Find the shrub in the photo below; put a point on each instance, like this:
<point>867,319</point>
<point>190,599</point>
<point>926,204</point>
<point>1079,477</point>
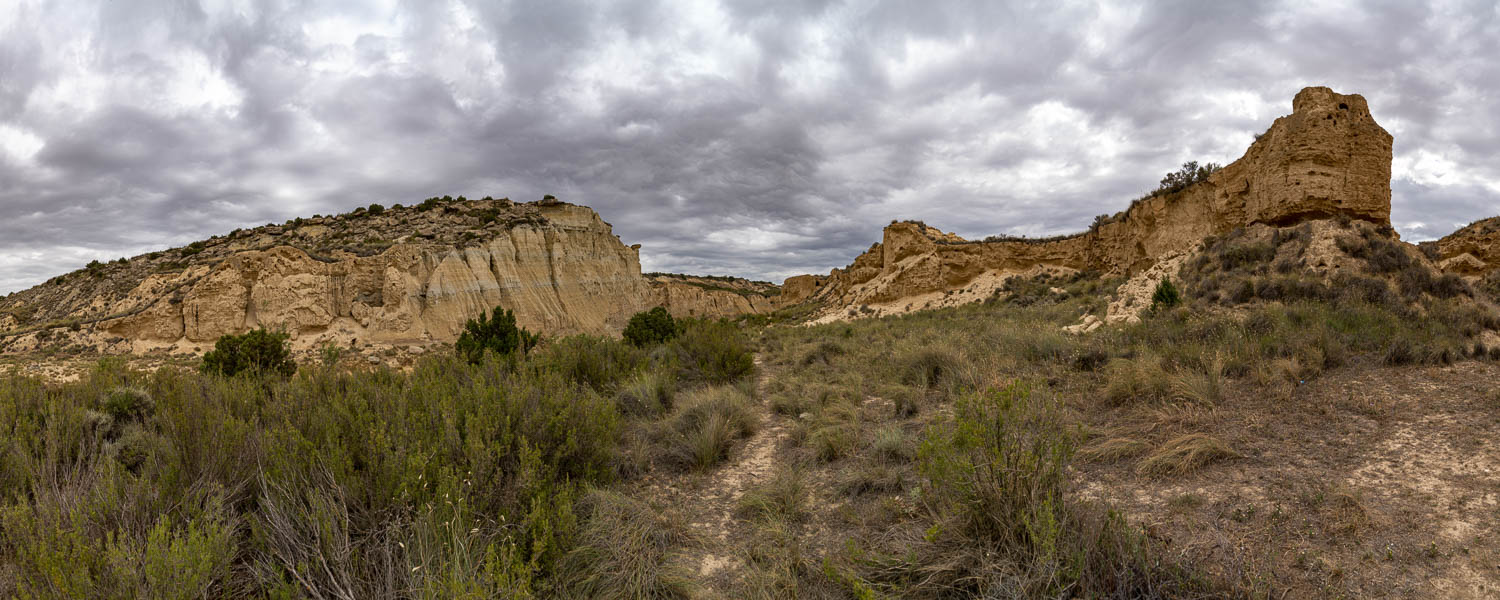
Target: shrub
<point>257,351</point>
<point>375,210</point>
<point>1189,174</point>
<point>648,328</point>
<point>128,404</point>
<point>497,334</point>
<point>600,363</point>
<point>714,352</point>
<point>1166,295</point>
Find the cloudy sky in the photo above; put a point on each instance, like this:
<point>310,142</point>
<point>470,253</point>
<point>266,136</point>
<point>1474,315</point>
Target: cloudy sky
<point>761,138</point>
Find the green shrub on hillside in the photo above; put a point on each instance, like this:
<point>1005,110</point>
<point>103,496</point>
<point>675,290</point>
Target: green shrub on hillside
<point>375,210</point>
<point>648,328</point>
<point>497,333</point>
<point>598,362</point>
<point>713,352</point>
<point>1166,295</point>
<point>257,351</point>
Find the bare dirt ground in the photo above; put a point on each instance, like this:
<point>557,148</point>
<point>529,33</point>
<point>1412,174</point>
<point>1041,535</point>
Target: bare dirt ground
<point>1368,482</point>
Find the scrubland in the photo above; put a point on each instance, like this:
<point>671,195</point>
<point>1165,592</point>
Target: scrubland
<point>1275,435</point>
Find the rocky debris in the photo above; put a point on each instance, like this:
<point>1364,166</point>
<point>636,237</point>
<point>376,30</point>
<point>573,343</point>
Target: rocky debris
<point>1328,158</point>
<point>1088,324</point>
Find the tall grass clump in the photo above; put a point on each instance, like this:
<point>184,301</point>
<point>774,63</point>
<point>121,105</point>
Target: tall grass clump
<point>994,486</point>
<point>628,550</point>
<point>700,432</point>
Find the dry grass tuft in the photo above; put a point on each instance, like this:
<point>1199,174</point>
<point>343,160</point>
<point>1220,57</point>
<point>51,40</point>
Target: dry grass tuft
<point>1185,454</point>
<point>1134,380</point>
<point>1113,449</point>
<point>628,549</point>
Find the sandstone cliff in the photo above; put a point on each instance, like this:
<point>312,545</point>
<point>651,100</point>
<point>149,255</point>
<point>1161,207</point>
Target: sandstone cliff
<point>1328,158</point>
<point>713,297</point>
<point>399,276</point>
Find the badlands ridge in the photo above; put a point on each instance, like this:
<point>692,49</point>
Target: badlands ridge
<point>559,266</point>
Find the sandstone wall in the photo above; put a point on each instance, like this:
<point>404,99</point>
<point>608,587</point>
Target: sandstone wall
<point>1329,157</point>
<point>567,275</point>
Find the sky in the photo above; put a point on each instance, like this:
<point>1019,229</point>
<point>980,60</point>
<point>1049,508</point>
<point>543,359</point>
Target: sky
<point>759,138</point>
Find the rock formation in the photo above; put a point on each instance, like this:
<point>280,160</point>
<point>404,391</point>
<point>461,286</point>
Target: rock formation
<point>340,279</point>
<point>1471,251</point>
<point>1328,158</point>
<point>713,297</point>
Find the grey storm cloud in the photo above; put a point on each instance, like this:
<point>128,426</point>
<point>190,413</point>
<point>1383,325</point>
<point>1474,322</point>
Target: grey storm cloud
<point>756,138</point>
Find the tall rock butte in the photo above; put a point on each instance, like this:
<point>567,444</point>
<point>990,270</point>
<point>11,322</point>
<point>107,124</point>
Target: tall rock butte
<point>338,279</point>
<point>1328,158</point>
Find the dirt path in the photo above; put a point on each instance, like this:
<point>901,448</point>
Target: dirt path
<point>711,504</point>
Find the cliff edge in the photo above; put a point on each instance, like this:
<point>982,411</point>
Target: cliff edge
<point>1328,158</point>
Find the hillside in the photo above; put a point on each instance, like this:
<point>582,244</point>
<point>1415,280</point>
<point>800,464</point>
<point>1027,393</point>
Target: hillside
<point>388,276</point>
<point>1327,159</point>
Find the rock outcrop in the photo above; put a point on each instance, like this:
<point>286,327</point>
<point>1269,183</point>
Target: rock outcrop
<point>713,297</point>
<point>1328,158</point>
<point>558,266</point>
<point>1472,251</point>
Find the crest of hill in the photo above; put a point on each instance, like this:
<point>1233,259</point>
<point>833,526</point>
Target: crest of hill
<point>394,275</point>
<point>1327,159</point>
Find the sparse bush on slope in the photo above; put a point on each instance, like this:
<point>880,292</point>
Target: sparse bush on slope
<point>257,351</point>
<point>648,328</point>
<point>496,333</point>
<point>714,352</point>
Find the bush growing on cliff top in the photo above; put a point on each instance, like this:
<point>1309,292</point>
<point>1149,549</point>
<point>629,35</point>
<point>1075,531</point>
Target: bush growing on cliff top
<point>258,351</point>
<point>651,327</point>
<point>498,333</point>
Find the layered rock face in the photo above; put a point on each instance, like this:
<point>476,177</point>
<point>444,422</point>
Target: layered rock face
<point>1328,158</point>
<point>566,275</point>
<point>1473,250</point>
<point>713,297</point>
<point>558,266</point>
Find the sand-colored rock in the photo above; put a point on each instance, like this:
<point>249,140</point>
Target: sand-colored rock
<point>569,275</point>
<point>1328,158</point>
<point>1473,250</point>
<point>558,266</point>
<point>703,297</point>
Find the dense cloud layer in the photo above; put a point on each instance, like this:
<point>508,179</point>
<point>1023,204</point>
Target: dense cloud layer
<point>750,137</point>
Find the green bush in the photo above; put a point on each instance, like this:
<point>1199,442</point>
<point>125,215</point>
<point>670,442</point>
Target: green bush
<point>600,363</point>
<point>651,327</point>
<point>375,210</point>
<point>497,333</point>
<point>713,352</point>
<point>257,351</point>
<point>1166,295</point>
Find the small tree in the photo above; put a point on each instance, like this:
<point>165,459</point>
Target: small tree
<point>498,333</point>
<point>258,351</point>
<point>650,327</point>
<point>375,209</point>
<point>1166,295</point>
